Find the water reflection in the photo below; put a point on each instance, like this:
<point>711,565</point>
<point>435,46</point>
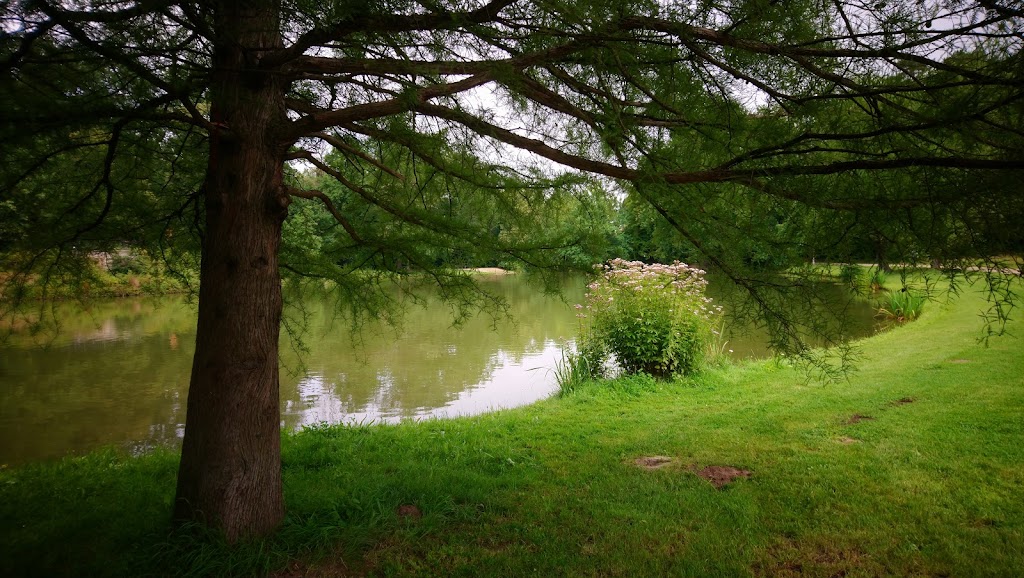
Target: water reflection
<point>429,368</point>
<point>117,371</point>
<point>506,381</point>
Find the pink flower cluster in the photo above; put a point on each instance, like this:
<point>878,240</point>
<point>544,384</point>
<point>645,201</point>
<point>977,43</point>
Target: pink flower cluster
<point>683,284</point>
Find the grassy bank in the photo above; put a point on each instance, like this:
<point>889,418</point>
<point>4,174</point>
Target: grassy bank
<point>913,467</point>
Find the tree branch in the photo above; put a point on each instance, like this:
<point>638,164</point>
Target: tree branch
<point>370,23</point>
<point>484,128</point>
<point>344,146</point>
<point>323,198</point>
<point>319,119</point>
<point>68,21</point>
<point>684,31</point>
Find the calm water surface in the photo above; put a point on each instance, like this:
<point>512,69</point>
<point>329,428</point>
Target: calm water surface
<point>116,373</point>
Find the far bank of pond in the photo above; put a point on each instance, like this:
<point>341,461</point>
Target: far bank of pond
<point>116,372</point>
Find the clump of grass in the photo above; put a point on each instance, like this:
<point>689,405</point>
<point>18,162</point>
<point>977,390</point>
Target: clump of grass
<point>588,362</point>
<point>903,305</point>
<point>572,371</point>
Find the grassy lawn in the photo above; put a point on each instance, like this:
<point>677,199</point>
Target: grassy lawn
<point>927,481</point>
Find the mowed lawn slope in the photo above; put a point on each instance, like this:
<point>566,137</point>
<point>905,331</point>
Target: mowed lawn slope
<point>913,467</point>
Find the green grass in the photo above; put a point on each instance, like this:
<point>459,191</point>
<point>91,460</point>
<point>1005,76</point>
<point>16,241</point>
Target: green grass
<point>932,485</point>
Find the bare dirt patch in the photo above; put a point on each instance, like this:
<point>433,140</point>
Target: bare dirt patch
<point>848,440</point>
<point>653,462</point>
<point>793,559</point>
<point>409,512</point>
<point>857,418</point>
<point>904,401</point>
<point>720,476</point>
<point>329,566</point>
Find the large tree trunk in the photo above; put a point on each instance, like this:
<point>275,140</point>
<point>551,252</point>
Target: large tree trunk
<point>230,473</point>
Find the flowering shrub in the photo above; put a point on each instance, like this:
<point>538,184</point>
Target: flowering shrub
<point>653,319</point>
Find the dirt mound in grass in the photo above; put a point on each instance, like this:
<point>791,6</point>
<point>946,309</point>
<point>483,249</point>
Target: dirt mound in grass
<point>409,512</point>
<point>857,418</point>
<point>719,476</point>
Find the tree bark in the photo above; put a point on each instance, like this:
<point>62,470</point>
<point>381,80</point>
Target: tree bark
<point>230,472</point>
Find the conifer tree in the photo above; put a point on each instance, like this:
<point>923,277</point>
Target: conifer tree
<point>163,121</point>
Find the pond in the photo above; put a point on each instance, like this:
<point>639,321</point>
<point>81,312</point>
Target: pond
<point>116,372</point>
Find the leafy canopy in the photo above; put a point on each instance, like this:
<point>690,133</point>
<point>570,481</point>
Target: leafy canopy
<point>436,135</point>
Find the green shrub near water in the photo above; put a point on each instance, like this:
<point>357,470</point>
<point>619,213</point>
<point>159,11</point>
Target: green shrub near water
<point>849,275</point>
<point>652,319</point>
<point>902,305</point>
<point>876,279</point>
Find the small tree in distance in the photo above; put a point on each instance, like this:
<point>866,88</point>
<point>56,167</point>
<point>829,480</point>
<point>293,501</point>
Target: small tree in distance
<point>714,113</point>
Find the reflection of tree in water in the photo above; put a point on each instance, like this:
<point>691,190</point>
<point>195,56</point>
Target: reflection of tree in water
<point>109,376</point>
<point>843,316</point>
<point>116,372</point>
<point>427,363</point>
<point>58,324</point>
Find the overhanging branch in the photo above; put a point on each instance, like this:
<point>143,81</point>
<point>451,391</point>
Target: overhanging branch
<point>377,23</point>
<point>323,198</point>
<point>318,119</point>
<point>347,148</point>
<point>486,129</point>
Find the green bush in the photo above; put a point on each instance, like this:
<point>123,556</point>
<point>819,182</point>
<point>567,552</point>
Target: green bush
<point>124,262</point>
<point>652,319</point>
<point>902,305</point>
